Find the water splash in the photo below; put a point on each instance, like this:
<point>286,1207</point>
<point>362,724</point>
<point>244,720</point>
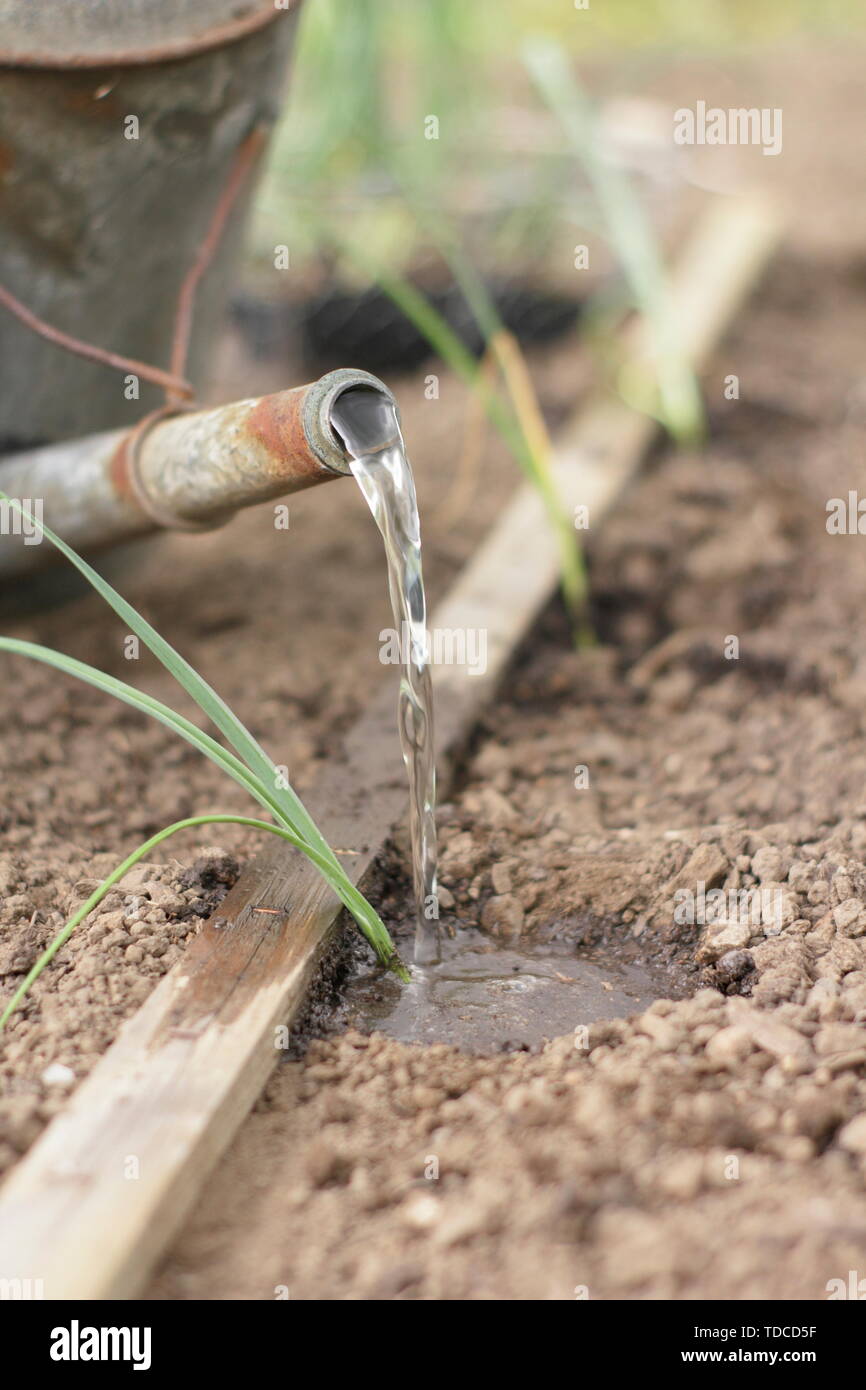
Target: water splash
<point>366,421</point>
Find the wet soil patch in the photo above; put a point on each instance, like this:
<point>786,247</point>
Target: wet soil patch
<point>483,998</point>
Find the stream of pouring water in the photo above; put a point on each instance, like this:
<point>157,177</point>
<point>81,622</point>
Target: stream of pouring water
<point>367,422</point>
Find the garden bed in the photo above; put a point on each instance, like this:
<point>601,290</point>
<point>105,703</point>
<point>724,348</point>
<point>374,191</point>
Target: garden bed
<point>709,1147</point>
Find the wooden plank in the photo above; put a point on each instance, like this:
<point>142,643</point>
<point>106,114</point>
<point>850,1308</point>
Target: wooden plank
<point>599,450</point>
<point>94,1204</point>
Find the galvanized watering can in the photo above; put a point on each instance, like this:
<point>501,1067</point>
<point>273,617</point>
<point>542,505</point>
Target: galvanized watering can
<point>119,124</point>
<point>129,136</point>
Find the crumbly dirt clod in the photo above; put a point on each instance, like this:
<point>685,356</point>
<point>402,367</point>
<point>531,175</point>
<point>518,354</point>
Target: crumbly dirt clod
<point>700,1146</point>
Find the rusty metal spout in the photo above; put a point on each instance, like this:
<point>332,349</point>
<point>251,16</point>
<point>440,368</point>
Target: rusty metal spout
<point>191,470</point>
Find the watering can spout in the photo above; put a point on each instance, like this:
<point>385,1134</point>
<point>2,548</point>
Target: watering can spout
<point>184,470</point>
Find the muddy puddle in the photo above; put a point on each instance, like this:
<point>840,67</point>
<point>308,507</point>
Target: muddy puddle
<point>484,997</point>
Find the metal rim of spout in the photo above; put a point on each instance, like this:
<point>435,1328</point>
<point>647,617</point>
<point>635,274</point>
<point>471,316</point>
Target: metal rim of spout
<point>318,406</point>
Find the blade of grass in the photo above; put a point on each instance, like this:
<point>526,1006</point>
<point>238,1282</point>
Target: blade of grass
<point>522,395</point>
<point>447,345</point>
<point>459,496</point>
<point>365,915</point>
<point>627,230</point>
<point>256,771</point>
<point>522,391</point>
<point>209,702</point>
<point>191,823</point>
<point>147,704</point>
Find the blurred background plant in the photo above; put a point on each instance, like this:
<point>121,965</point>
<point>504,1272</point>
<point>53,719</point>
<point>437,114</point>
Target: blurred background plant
<point>431,193</point>
<point>369,72</point>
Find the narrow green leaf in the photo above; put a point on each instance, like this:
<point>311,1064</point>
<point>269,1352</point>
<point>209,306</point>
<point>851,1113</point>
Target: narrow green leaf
<point>147,704</point>
<point>365,915</point>
<point>628,231</point>
<point>207,699</point>
<point>257,773</point>
<point>447,345</point>
<point>192,822</point>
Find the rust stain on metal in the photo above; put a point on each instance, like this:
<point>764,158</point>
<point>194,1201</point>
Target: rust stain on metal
<point>122,467</point>
<point>277,422</point>
<point>118,469</point>
<point>7,159</point>
<point>173,50</point>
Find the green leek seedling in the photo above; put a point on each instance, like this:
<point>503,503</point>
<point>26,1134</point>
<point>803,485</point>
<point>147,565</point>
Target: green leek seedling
<point>248,765</point>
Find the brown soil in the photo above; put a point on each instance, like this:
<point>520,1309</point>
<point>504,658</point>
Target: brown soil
<point>710,1147</point>
<point>713,1146</point>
